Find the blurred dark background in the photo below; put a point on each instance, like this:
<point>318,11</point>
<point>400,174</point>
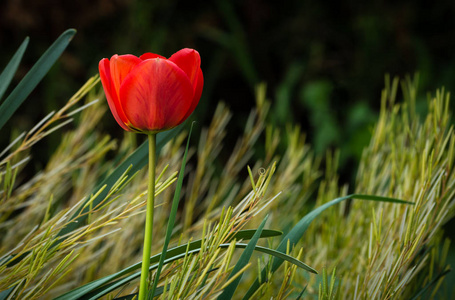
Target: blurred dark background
<point>324,63</point>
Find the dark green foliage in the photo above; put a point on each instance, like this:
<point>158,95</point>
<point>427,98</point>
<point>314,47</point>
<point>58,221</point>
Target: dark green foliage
<point>338,53</point>
<point>33,77</point>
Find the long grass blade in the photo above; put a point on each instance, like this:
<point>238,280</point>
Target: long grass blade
<point>90,287</point>
<point>249,233</point>
<point>138,159</point>
<point>94,294</point>
<point>242,262</point>
<point>301,293</point>
<point>11,68</point>
<point>278,255</point>
<point>34,76</point>
<point>299,229</point>
<point>422,291</point>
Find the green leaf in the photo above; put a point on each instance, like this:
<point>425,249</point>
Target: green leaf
<point>29,82</point>
<point>10,69</point>
<point>171,222</point>
<point>5,293</point>
<point>90,287</point>
<point>299,229</point>
<point>301,293</point>
<point>280,255</point>
<point>241,263</point>
<point>105,289</point>
<point>422,291</point>
<point>34,76</point>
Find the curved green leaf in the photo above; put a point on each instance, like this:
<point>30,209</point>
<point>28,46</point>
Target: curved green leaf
<point>30,81</point>
<point>249,233</point>
<point>242,262</point>
<point>10,69</point>
<point>104,290</point>
<point>424,289</point>
<point>299,229</point>
<point>89,287</point>
<point>277,254</point>
<point>34,76</point>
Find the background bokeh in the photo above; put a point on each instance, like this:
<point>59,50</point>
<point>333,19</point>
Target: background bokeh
<point>324,63</point>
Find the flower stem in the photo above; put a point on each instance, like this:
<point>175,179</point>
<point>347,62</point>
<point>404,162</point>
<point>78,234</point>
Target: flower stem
<point>148,219</point>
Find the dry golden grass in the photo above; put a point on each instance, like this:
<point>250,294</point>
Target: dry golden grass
<point>380,250</point>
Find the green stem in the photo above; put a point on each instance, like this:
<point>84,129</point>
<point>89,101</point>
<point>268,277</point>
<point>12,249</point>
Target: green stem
<point>148,219</point>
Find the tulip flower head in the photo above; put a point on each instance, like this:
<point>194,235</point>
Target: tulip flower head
<point>150,93</point>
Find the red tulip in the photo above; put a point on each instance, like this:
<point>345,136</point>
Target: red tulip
<point>150,93</point>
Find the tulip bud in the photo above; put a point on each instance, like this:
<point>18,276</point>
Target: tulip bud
<point>150,93</point>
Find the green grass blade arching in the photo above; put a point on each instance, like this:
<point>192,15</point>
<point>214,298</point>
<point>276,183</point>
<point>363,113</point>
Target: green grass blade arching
<point>11,68</point>
<point>105,289</point>
<point>427,287</point>
<point>34,76</point>
<point>173,214</point>
<point>31,80</point>
<point>299,229</point>
<point>277,254</point>
<point>90,287</point>
<point>242,262</point>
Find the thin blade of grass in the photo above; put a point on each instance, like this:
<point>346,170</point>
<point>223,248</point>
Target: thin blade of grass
<point>278,255</point>
<point>34,76</point>
<point>31,80</point>
<point>301,293</point>
<point>171,221</point>
<point>138,159</point>
<point>421,292</point>
<point>103,290</point>
<point>242,262</point>
<point>299,229</point>
<point>11,68</point>
<point>89,287</point>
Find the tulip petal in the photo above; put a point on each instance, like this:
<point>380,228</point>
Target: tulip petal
<point>197,93</point>
<point>156,95</point>
<point>111,94</point>
<point>121,65</point>
<point>189,61</point>
<point>150,56</point>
